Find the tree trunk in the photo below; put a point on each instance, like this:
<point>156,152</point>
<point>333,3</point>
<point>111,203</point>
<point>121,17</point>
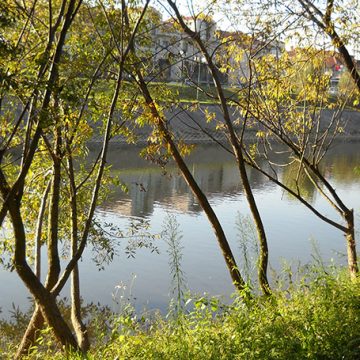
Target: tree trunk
<point>37,320</point>
<point>204,203</point>
<point>44,298</point>
<point>46,303</point>
<point>78,325</point>
<point>351,245</point>
<point>264,252</point>
<point>38,232</point>
<point>31,333</point>
<point>48,307</point>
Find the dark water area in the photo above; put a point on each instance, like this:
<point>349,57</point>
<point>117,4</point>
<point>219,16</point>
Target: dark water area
<point>293,231</point>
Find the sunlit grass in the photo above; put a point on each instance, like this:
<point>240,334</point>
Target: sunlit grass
<point>319,318</point>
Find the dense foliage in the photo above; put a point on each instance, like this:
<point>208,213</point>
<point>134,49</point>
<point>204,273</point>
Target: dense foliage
<point>317,319</point>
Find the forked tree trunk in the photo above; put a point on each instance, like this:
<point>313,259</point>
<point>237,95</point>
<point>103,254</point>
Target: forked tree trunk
<point>48,307</point>
<point>37,320</point>
<point>46,303</point>
<point>45,300</point>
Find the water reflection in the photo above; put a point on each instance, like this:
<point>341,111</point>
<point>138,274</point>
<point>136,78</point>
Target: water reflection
<point>298,181</point>
<point>342,160</point>
<point>149,185</point>
<point>217,174</point>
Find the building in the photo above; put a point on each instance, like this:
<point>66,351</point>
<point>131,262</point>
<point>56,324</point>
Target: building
<point>175,57</point>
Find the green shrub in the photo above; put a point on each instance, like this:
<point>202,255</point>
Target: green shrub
<point>319,318</point>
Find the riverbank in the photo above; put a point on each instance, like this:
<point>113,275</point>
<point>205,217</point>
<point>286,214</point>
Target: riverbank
<point>319,318</point>
<point>192,126</point>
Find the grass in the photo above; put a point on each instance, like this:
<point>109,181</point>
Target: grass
<point>186,93</point>
<point>319,318</point>
<point>172,91</point>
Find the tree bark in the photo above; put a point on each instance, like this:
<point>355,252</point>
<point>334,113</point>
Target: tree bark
<point>351,244</point>
<point>204,203</point>
<point>78,325</point>
<point>44,298</point>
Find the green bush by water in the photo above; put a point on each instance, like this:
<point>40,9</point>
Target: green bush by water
<point>319,318</point>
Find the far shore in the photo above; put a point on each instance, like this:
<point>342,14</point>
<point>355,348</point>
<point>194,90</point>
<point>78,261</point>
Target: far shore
<point>192,127</point>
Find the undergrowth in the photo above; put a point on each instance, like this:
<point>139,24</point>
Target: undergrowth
<point>318,318</point>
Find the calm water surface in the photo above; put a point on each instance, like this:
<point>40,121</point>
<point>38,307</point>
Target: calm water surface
<point>291,229</point>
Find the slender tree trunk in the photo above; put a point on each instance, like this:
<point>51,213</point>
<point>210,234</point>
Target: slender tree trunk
<point>351,244</point>
<point>53,229</point>
<point>78,325</point>
<point>204,203</point>
<point>238,281</point>
<point>76,319</point>
<point>38,232</point>
<point>264,252</point>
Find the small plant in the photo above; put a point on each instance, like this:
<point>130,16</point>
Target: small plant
<point>172,236</point>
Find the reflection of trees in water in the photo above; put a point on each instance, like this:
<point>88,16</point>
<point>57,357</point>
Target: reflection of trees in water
<point>340,165</point>
<point>148,185</point>
<point>298,181</point>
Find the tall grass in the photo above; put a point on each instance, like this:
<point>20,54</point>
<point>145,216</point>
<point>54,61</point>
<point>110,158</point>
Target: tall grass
<point>318,318</point>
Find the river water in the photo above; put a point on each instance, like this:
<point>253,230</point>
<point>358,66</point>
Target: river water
<point>295,235</point>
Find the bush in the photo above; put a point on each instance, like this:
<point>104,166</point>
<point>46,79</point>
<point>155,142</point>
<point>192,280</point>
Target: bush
<point>319,318</point>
